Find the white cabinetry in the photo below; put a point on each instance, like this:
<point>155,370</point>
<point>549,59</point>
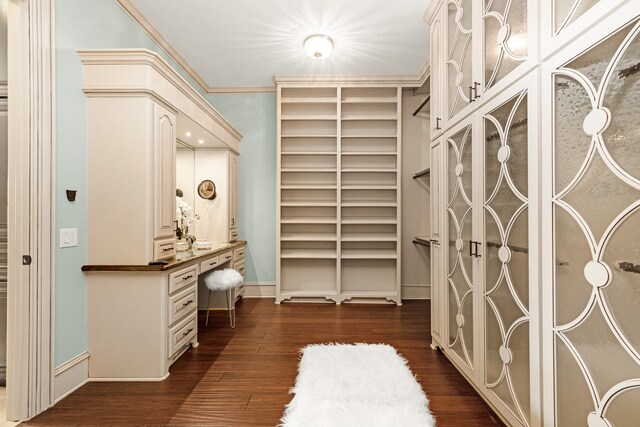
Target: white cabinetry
<point>221,213</point>
<point>477,49</point>
<point>339,192</point>
<point>131,180</point>
<point>541,191</point>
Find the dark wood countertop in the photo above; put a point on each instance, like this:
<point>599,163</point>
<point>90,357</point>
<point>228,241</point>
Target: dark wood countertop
<point>181,258</point>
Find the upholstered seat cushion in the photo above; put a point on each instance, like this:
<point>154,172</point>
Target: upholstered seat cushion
<point>221,280</point>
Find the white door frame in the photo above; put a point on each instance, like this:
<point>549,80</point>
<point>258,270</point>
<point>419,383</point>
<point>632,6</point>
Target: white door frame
<point>30,217</point>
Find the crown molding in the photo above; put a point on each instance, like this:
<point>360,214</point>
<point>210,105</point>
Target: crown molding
<point>257,89</point>
<point>424,73</point>
<point>434,5</point>
<point>126,71</point>
<point>404,81</point>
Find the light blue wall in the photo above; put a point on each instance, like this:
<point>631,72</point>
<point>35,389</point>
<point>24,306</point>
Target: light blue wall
<point>80,24</point>
<point>254,115</point>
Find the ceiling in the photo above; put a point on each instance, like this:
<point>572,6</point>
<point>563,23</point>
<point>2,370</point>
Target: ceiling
<point>244,43</point>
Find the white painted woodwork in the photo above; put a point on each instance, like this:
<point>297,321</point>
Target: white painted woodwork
<point>164,172</point>
<point>219,221</point>
<point>546,337</point>
<point>339,199</point>
<point>235,260</point>
<point>140,341</point>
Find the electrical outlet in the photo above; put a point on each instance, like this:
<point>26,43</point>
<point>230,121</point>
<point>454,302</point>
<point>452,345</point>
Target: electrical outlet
<point>68,237</point>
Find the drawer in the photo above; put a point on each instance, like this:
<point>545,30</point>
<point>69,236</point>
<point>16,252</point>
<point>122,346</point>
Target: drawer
<point>225,257</point>
<point>164,248</point>
<point>233,235</point>
<point>182,333</point>
<point>209,264</point>
<point>182,278</point>
<point>182,304</point>
<point>239,291</point>
<point>239,266</point>
<point>238,254</point>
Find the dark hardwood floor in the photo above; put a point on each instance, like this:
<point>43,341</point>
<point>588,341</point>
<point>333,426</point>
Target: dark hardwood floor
<point>242,376</point>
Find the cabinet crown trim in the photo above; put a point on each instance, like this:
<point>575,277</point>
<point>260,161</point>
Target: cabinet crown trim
<point>95,82</point>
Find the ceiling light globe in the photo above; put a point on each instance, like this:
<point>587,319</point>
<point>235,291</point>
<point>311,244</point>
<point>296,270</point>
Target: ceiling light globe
<point>318,46</point>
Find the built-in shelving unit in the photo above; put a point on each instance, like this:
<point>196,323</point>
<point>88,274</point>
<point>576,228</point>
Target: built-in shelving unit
<point>339,161</point>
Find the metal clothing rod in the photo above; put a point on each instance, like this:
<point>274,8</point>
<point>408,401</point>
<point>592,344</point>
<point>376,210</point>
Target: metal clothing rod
<point>422,105</point>
<point>422,173</point>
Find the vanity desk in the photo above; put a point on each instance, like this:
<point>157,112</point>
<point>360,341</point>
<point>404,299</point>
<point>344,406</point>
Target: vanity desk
<point>142,318</point>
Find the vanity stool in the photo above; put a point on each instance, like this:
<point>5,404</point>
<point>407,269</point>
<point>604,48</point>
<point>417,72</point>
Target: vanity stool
<point>224,280</point>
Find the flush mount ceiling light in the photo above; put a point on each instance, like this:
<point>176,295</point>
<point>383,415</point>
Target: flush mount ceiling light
<point>318,46</point>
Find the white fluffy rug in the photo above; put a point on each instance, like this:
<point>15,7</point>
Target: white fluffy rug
<point>356,385</point>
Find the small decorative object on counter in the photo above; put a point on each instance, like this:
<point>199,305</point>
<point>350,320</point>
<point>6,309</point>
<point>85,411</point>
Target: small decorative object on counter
<point>202,245</point>
<point>186,220</point>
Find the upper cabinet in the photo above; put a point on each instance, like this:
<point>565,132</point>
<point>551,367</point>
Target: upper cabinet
<point>137,106</point>
<point>477,49</point>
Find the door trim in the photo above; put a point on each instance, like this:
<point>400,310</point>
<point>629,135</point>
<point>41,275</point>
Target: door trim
<point>31,185</point>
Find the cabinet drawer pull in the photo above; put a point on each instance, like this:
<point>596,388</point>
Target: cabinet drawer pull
<point>167,249</point>
<point>438,123</point>
<point>213,263</point>
<point>187,303</point>
<point>184,334</point>
<point>187,277</point>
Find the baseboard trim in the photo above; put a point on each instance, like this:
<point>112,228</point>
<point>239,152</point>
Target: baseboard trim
<point>416,291</point>
<point>70,376</point>
<point>103,379</point>
<point>260,290</point>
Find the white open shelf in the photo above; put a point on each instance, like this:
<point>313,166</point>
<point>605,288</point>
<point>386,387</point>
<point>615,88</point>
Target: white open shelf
<point>339,197</point>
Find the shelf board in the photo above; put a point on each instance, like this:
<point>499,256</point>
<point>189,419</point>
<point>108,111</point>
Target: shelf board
<point>369,100</point>
<point>312,204</point>
<point>422,240</point>
<point>370,118</point>
<point>308,237</point>
<point>309,117</point>
<point>369,237</point>
<point>377,220</point>
<point>369,153</point>
<point>374,170</point>
<point>308,221</point>
<point>309,187</point>
<point>369,254</point>
<point>369,136</point>
<point>308,253</point>
<point>369,187</point>
<point>308,100</point>
<point>308,153</point>
<point>302,135</point>
<point>308,170</point>
<point>369,204</point>
<point>423,172</point>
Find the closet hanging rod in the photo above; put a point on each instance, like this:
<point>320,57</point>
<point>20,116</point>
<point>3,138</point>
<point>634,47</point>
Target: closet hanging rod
<point>422,240</point>
<point>422,105</point>
<point>424,172</point>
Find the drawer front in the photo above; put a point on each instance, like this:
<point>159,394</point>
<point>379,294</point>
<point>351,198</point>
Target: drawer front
<point>240,291</point>
<point>225,257</point>
<point>183,278</point>
<point>239,266</point>
<point>182,333</point>
<point>233,235</point>
<point>209,264</point>
<point>164,249</point>
<point>182,304</point>
<point>238,254</point>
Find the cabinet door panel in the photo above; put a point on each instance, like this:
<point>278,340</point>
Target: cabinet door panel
<point>436,78</point>
<point>504,37</point>
<point>596,217</point>
<point>164,151</point>
<point>506,255</point>
<point>460,284</point>
<point>233,191</point>
<point>459,56</point>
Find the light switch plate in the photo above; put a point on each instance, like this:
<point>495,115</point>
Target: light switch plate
<point>68,237</point>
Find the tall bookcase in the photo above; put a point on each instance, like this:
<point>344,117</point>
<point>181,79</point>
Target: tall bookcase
<point>339,160</point>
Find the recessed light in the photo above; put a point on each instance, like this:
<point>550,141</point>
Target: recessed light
<point>201,141</point>
<point>188,134</point>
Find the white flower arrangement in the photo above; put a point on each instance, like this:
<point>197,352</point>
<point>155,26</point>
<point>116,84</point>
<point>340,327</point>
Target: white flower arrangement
<point>186,219</point>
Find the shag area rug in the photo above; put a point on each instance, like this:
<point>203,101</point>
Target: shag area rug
<point>356,385</point>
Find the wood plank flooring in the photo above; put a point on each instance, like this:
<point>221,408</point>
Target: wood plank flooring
<point>242,376</point>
